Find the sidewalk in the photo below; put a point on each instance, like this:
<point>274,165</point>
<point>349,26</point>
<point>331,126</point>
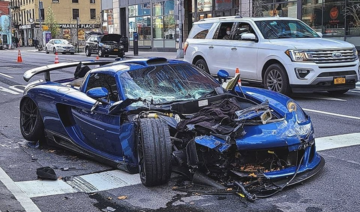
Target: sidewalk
<point>129,54</point>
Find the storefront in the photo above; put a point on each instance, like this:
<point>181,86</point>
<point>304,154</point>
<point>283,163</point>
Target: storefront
<point>155,22</point>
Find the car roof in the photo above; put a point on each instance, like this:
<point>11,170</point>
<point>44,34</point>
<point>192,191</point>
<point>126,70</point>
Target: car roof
<point>239,18</point>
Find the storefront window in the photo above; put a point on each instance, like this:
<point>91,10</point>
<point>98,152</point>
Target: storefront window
<point>158,27</point>
<point>158,9</point>
<point>273,8</point>
<point>133,10</point>
<point>325,17</point>
<point>204,5</point>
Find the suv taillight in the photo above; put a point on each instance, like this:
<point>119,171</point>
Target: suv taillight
<point>185,47</point>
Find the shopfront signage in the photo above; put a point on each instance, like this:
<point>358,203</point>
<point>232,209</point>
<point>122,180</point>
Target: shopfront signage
<point>28,26</point>
<point>82,26</point>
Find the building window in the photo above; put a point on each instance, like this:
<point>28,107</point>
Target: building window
<point>55,1</point>
<point>75,13</point>
<point>42,14</point>
<point>92,14</point>
<point>92,1</point>
<point>75,1</point>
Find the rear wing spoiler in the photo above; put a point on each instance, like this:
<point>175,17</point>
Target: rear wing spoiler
<point>46,69</point>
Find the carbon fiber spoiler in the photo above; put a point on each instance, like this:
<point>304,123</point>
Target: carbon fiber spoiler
<point>46,69</point>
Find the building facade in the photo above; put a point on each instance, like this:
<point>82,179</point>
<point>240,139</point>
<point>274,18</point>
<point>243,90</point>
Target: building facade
<point>156,20</point>
<point>73,17</point>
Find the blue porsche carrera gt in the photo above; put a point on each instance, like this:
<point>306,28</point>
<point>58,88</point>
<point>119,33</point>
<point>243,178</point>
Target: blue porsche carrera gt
<point>155,116</point>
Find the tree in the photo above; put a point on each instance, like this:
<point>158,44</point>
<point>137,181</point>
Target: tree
<point>50,21</point>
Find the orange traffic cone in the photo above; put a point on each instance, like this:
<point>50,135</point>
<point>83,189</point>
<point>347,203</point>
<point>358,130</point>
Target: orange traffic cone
<point>237,72</point>
<point>19,60</point>
<point>56,58</point>
<point>97,57</point>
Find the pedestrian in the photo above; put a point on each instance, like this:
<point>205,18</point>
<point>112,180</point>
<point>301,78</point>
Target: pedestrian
<point>20,42</point>
<point>16,41</point>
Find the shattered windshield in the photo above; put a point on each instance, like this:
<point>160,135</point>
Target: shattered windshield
<point>277,29</point>
<point>167,83</point>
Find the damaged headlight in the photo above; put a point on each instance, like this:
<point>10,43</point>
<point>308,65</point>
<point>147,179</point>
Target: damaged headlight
<point>295,108</point>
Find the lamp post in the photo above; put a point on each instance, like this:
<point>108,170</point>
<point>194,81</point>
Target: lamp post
<point>10,24</point>
<point>180,9</point>
<point>77,33</point>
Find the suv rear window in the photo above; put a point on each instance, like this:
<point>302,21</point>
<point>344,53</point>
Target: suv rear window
<point>199,31</point>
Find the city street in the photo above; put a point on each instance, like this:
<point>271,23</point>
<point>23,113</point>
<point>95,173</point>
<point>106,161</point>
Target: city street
<point>85,185</point>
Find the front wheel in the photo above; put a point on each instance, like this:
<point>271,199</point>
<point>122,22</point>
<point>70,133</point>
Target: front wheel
<point>154,152</point>
<point>54,50</point>
<point>87,52</point>
<point>101,53</point>
<point>202,65</point>
<point>31,124</point>
<point>276,79</point>
<point>46,50</point>
<point>339,92</point>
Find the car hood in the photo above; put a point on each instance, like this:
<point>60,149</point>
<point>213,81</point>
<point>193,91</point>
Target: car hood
<point>312,43</point>
<point>111,37</point>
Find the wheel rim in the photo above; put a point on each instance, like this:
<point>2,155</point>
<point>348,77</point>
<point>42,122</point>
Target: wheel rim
<point>87,51</point>
<point>141,158</point>
<point>201,66</point>
<point>274,80</point>
<point>29,115</point>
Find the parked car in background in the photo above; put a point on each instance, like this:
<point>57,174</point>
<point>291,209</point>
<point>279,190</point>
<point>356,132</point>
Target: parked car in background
<point>155,116</point>
<point>59,46</point>
<point>105,45</point>
<point>282,54</point>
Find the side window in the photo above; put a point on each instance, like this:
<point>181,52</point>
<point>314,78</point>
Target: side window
<point>106,81</point>
<point>240,29</point>
<point>224,31</point>
<point>199,31</point>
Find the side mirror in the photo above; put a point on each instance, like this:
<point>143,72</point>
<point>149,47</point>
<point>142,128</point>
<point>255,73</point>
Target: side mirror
<point>248,36</point>
<point>320,34</point>
<point>97,93</point>
<point>223,75</point>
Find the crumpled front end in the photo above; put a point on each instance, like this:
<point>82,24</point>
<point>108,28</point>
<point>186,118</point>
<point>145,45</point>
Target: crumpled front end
<point>266,153</point>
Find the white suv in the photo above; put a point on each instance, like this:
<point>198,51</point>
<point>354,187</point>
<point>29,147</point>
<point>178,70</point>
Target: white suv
<point>284,54</point>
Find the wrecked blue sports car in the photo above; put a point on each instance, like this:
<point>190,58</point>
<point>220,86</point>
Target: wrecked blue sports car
<point>155,116</point>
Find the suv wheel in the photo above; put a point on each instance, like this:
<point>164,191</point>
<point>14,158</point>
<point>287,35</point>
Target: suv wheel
<point>87,52</point>
<point>46,50</point>
<point>100,53</point>
<point>276,79</point>
<point>202,65</point>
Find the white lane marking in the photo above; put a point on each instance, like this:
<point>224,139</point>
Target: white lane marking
<point>337,141</point>
<point>21,197</point>
<point>8,90</point>
<point>6,75</point>
<point>104,181</point>
<point>16,89</point>
<point>326,98</point>
<point>38,188</point>
<point>333,114</point>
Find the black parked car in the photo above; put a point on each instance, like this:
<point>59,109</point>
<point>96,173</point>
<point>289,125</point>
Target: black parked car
<point>105,45</point>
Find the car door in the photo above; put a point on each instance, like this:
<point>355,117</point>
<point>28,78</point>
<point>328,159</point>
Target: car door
<point>98,129</point>
<point>244,53</point>
<point>219,49</point>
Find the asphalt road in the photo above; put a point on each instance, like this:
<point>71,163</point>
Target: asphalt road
<point>335,188</point>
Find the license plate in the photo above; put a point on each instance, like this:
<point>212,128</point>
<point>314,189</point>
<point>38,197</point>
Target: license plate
<point>339,80</point>
<point>115,50</point>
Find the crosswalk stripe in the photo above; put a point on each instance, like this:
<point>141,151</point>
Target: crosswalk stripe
<point>337,141</point>
<point>20,196</point>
